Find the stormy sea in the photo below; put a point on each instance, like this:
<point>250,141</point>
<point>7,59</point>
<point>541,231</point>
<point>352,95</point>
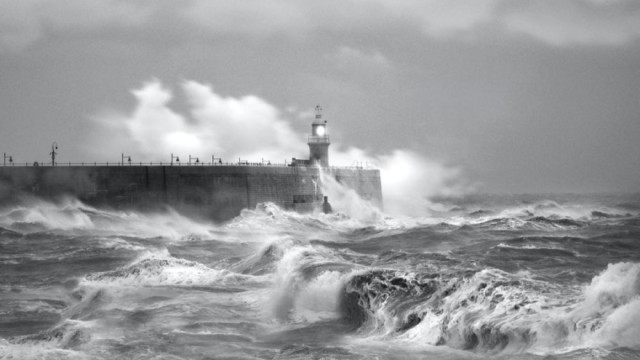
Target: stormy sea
<point>482,276</point>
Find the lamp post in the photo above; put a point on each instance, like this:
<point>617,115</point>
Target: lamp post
<point>197,160</point>
<point>5,159</point>
<point>53,153</point>
<point>128,159</point>
<point>175,157</point>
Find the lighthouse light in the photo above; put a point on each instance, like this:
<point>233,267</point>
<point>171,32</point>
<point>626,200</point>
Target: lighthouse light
<point>320,131</point>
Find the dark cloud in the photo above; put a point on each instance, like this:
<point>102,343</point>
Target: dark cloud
<point>519,96</point>
<point>23,22</point>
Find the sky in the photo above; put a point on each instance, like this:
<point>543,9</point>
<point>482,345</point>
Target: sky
<point>458,95</point>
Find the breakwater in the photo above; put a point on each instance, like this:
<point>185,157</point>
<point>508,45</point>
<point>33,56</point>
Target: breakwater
<point>214,192</point>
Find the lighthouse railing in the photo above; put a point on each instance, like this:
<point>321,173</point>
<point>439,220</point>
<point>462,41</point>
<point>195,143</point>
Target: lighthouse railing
<point>318,139</point>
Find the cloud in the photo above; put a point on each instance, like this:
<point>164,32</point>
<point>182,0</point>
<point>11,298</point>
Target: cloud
<point>250,128</point>
<point>227,127</point>
<point>254,18</point>
<point>150,131</point>
<point>294,18</point>
<point>348,58</point>
<point>22,22</point>
<point>577,22</point>
<point>559,23</point>
<point>442,18</point>
<point>246,127</point>
<point>153,125</point>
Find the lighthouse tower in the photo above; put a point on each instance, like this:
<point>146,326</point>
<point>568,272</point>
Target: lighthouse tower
<point>319,140</point>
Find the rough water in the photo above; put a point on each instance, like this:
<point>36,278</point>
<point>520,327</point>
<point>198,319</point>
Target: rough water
<point>512,277</point>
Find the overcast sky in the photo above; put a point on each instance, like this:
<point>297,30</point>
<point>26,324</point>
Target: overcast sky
<point>506,96</point>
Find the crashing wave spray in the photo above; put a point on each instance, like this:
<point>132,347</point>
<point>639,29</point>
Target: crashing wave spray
<point>347,200</point>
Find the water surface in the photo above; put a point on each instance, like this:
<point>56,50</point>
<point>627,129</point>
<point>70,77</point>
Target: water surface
<point>525,277</point>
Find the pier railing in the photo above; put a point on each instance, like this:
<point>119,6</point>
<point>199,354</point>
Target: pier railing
<point>159,163</point>
<point>356,165</point>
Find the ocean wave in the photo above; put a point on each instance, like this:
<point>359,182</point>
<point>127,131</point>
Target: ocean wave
<point>72,216</point>
<point>28,351</point>
<point>307,282</point>
<point>504,213</point>
<point>536,223</point>
<point>262,262</point>
<point>59,342</point>
<point>494,311</point>
<point>9,234</point>
<point>548,245</point>
<point>269,218</point>
<point>39,215</point>
<point>155,269</point>
<point>543,247</point>
<point>558,222</point>
<point>541,251</point>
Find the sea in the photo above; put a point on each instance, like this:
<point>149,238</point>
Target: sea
<point>548,276</point>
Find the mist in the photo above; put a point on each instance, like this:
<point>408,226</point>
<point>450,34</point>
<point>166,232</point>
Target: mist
<point>250,128</point>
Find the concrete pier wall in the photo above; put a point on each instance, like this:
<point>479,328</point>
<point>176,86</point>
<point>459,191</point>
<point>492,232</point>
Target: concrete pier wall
<point>212,192</point>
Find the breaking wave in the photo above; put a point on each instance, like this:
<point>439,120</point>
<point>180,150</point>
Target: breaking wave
<point>70,214</point>
<point>161,269</point>
<point>494,311</point>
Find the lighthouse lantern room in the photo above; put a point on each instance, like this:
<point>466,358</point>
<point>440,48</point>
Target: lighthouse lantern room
<point>319,140</point>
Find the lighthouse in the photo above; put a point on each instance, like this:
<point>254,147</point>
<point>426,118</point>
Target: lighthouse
<point>319,140</point>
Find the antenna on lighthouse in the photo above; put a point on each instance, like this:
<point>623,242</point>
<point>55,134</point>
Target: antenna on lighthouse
<point>318,112</point>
